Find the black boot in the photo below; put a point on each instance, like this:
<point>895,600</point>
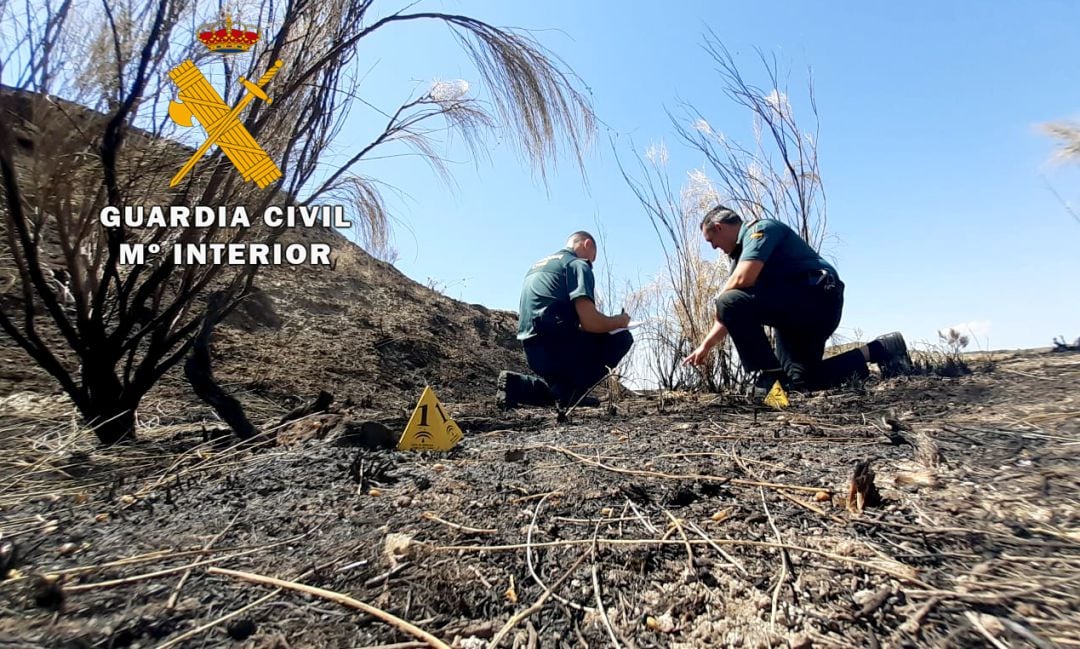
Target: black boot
<point>521,390</point>
<point>502,400</point>
<point>766,379</point>
<point>891,354</point>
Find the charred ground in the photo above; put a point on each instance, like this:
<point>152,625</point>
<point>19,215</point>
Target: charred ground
<point>684,521</point>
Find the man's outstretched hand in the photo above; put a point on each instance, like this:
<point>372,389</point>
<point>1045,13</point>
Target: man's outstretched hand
<point>697,357</point>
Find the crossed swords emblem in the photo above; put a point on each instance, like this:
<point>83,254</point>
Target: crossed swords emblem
<point>197,98</point>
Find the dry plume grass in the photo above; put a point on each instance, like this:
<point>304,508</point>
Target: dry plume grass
<point>1067,135</point>
<point>678,302</point>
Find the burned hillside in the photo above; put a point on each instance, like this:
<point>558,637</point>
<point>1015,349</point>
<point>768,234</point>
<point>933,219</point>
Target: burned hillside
<point>358,329</point>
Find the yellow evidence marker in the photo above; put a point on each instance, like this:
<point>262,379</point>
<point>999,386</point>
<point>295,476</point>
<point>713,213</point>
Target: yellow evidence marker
<point>776,398</point>
<point>429,429</point>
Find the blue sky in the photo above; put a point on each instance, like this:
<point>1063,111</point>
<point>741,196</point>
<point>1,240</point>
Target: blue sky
<point>933,164</point>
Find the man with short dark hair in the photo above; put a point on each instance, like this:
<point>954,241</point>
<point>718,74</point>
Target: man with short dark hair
<point>567,341</point>
<point>780,281</point>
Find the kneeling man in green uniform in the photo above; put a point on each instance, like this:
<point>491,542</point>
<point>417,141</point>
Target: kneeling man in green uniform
<point>780,281</point>
<point>567,341</point>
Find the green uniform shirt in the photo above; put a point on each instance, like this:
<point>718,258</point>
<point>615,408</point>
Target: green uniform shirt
<point>547,298</point>
<point>786,255</point>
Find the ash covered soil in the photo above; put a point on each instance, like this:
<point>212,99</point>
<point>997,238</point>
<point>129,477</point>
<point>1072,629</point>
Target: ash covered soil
<point>660,520</point>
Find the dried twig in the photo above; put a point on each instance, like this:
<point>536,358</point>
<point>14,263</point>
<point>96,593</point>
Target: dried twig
<point>183,637</point>
<point>727,557</point>
<point>159,573</point>
<point>523,499</point>
<point>1025,633</point>
<point>603,611</point>
<point>689,548</point>
<point>187,573</point>
<point>596,590</point>
<point>461,528</point>
<point>973,618</point>
<point>570,410</point>
<point>339,598</point>
<point>536,606</point>
<point>646,523</point>
<point>480,576</point>
<point>784,568</point>
<point>912,624</point>
<point>812,507</point>
<point>384,577</point>
<point>165,555</point>
<point>529,558</point>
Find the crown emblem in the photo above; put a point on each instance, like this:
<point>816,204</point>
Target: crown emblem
<point>227,37</point>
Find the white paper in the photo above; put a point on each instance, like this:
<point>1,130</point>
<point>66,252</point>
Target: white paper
<point>634,324</point>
